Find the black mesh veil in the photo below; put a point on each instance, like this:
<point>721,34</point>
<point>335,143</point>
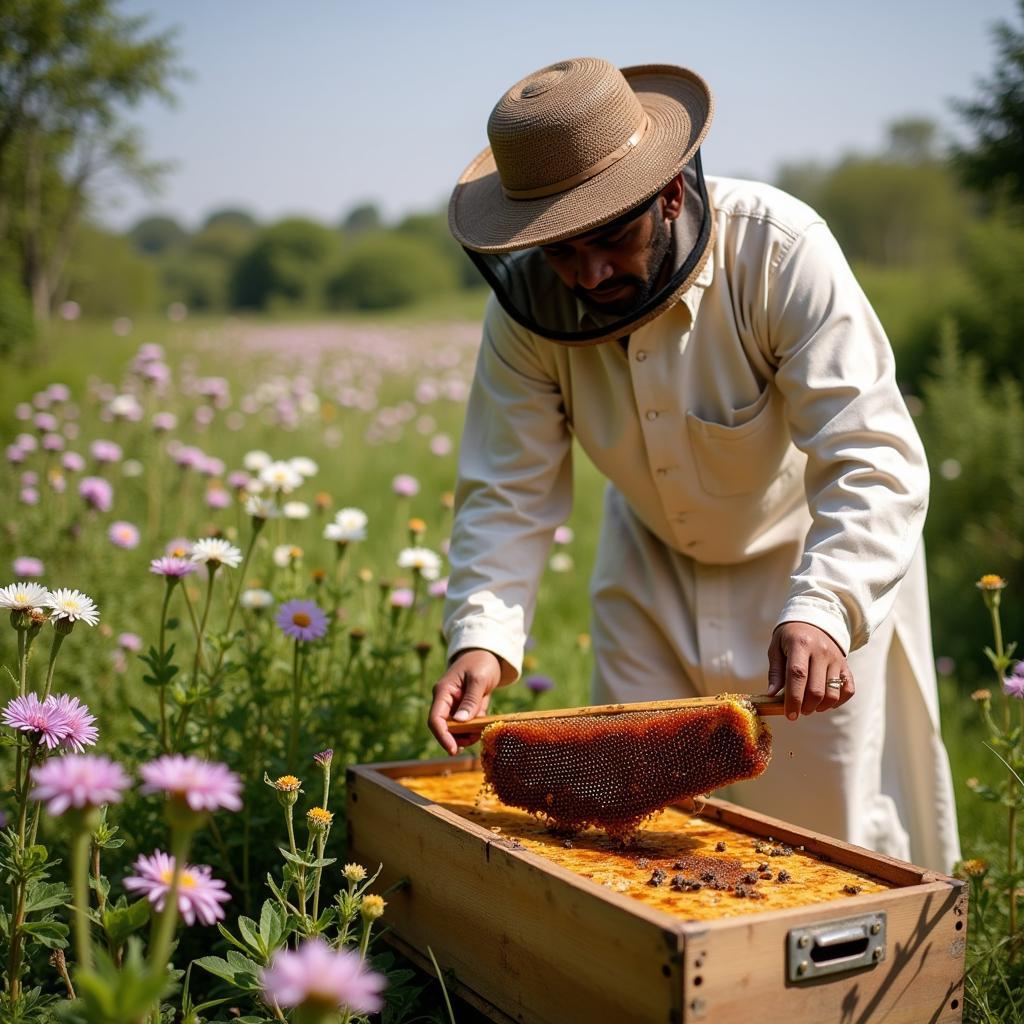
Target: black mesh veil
<point>535,297</point>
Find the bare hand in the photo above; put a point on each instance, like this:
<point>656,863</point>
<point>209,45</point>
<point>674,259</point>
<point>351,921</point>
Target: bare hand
<point>469,682</point>
<point>803,659</point>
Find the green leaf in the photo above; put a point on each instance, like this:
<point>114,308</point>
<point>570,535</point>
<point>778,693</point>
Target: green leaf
<point>52,934</point>
<point>273,925</point>
<point>44,895</point>
<point>119,922</point>
<point>247,926</point>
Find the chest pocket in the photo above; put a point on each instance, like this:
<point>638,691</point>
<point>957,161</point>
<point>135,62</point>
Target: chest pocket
<point>747,457</point>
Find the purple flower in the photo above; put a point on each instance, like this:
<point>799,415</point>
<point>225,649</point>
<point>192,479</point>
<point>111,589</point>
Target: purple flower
<point>45,422</point>
<point>238,479</point>
<point>25,567</point>
<point>401,597</point>
<point>29,496</point>
<point>203,785</point>
<point>129,642</point>
<point>324,758</point>
<point>1013,684</point>
<point>96,492</point>
<point>172,567</point>
<point>316,975</point>
<point>15,454</point>
<point>301,620</point>
<point>439,588</point>
<point>124,535</point>
<point>105,451</point>
<point>78,780</point>
<point>405,486</point>
<point>53,443</point>
<point>538,684</point>
<point>81,733</point>
<point>200,895</point>
<point>29,714</point>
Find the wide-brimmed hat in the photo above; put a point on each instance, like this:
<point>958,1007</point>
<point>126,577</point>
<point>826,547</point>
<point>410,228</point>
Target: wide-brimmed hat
<point>575,145</point>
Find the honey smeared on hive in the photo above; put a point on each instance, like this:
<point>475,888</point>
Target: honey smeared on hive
<point>615,771</point>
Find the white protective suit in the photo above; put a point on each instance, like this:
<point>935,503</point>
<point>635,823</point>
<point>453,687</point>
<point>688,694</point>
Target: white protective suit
<point>763,468</point>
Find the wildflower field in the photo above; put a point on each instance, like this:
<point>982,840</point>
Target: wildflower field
<point>225,543</point>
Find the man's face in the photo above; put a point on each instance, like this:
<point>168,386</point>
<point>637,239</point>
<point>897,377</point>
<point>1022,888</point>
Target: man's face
<point>614,269</point>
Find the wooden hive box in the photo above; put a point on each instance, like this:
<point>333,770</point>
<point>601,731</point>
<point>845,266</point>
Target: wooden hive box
<point>543,930</point>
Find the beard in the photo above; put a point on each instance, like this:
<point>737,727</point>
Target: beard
<point>642,288</point>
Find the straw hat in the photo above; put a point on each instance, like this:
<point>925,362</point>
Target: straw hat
<point>575,145</point>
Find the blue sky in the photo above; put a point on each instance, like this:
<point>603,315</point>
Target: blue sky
<point>310,106</point>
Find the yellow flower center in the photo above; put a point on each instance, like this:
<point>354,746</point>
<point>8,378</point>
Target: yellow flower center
<point>287,783</point>
<point>302,619</point>
<point>991,581</point>
<point>186,880</point>
<point>319,814</point>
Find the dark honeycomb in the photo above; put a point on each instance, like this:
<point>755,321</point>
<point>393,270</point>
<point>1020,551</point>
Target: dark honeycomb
<point>613,771</point>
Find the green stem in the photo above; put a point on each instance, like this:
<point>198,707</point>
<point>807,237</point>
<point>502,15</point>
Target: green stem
<point>80,883</point>
<point>58,639</point>
<point>22,663</point>
<point>320,843</point>
<point>293,732</point>
<point>162,649</point>
<point>163,927</point>
<point>100,900</point>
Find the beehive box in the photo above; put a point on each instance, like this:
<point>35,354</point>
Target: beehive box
<point>542,929</point>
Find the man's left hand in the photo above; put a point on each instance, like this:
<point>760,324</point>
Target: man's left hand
<point>804,660</point>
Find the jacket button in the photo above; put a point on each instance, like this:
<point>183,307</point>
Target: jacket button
<point>641,356</point>
<point>652,414</point>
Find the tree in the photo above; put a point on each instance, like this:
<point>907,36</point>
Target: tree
<point>231,217</point>
<point>361,219</point>
<point>68,71</point>
<point>285,266</point>
<point>156,234</point>
<point>995,163</point>
<point>388,270</point>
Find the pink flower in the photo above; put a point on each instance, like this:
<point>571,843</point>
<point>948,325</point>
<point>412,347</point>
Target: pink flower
<point>164,421</point>
<point>15,454</point>
<point>238,478</point>
<point>105,451</point>
<point>124,535</point>
<point>1013,684</point>
<point>81,733</point>
<point>318,975</point>
<point>218,497</point>
<point>25,567</point>
<point>129,642</point>
<point>53,443</point>
<point>78,780</point>
<point>401,597</point>
<point>199,893</point>
<point>301,620</point>
<point>96,492</point>
<point>172,567</point>
<point>203,785</point>
<point>29,714</point>
<point>72,462</point>
<point>439,588</point>
<point>29,496</point>
<point>405,486</point>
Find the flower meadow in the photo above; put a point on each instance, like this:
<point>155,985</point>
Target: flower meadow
<point>223,588</point>
<point>222,570</point>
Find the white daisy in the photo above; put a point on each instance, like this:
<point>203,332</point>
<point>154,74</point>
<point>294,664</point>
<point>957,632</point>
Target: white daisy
<point>303,466</point>
<point>256,599</point>
<point>279,476</point>
<point>422,560</point>
<point>349,524</point>
<point>214,551</point>
<point>284,554</point>
<point>23,597</point>
<point>256,460</point>
<point>295,510</point>
<point>72,605</point>
<point>561,561</point>
<point>261,508</point>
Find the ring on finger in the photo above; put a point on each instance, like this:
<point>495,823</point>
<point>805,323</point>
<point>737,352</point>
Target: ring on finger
<point>834,684</point>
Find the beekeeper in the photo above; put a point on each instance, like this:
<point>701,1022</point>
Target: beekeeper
<point>705,342</point>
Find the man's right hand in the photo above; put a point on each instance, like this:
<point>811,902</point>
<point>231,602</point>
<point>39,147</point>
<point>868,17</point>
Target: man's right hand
<point>467,686</point>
